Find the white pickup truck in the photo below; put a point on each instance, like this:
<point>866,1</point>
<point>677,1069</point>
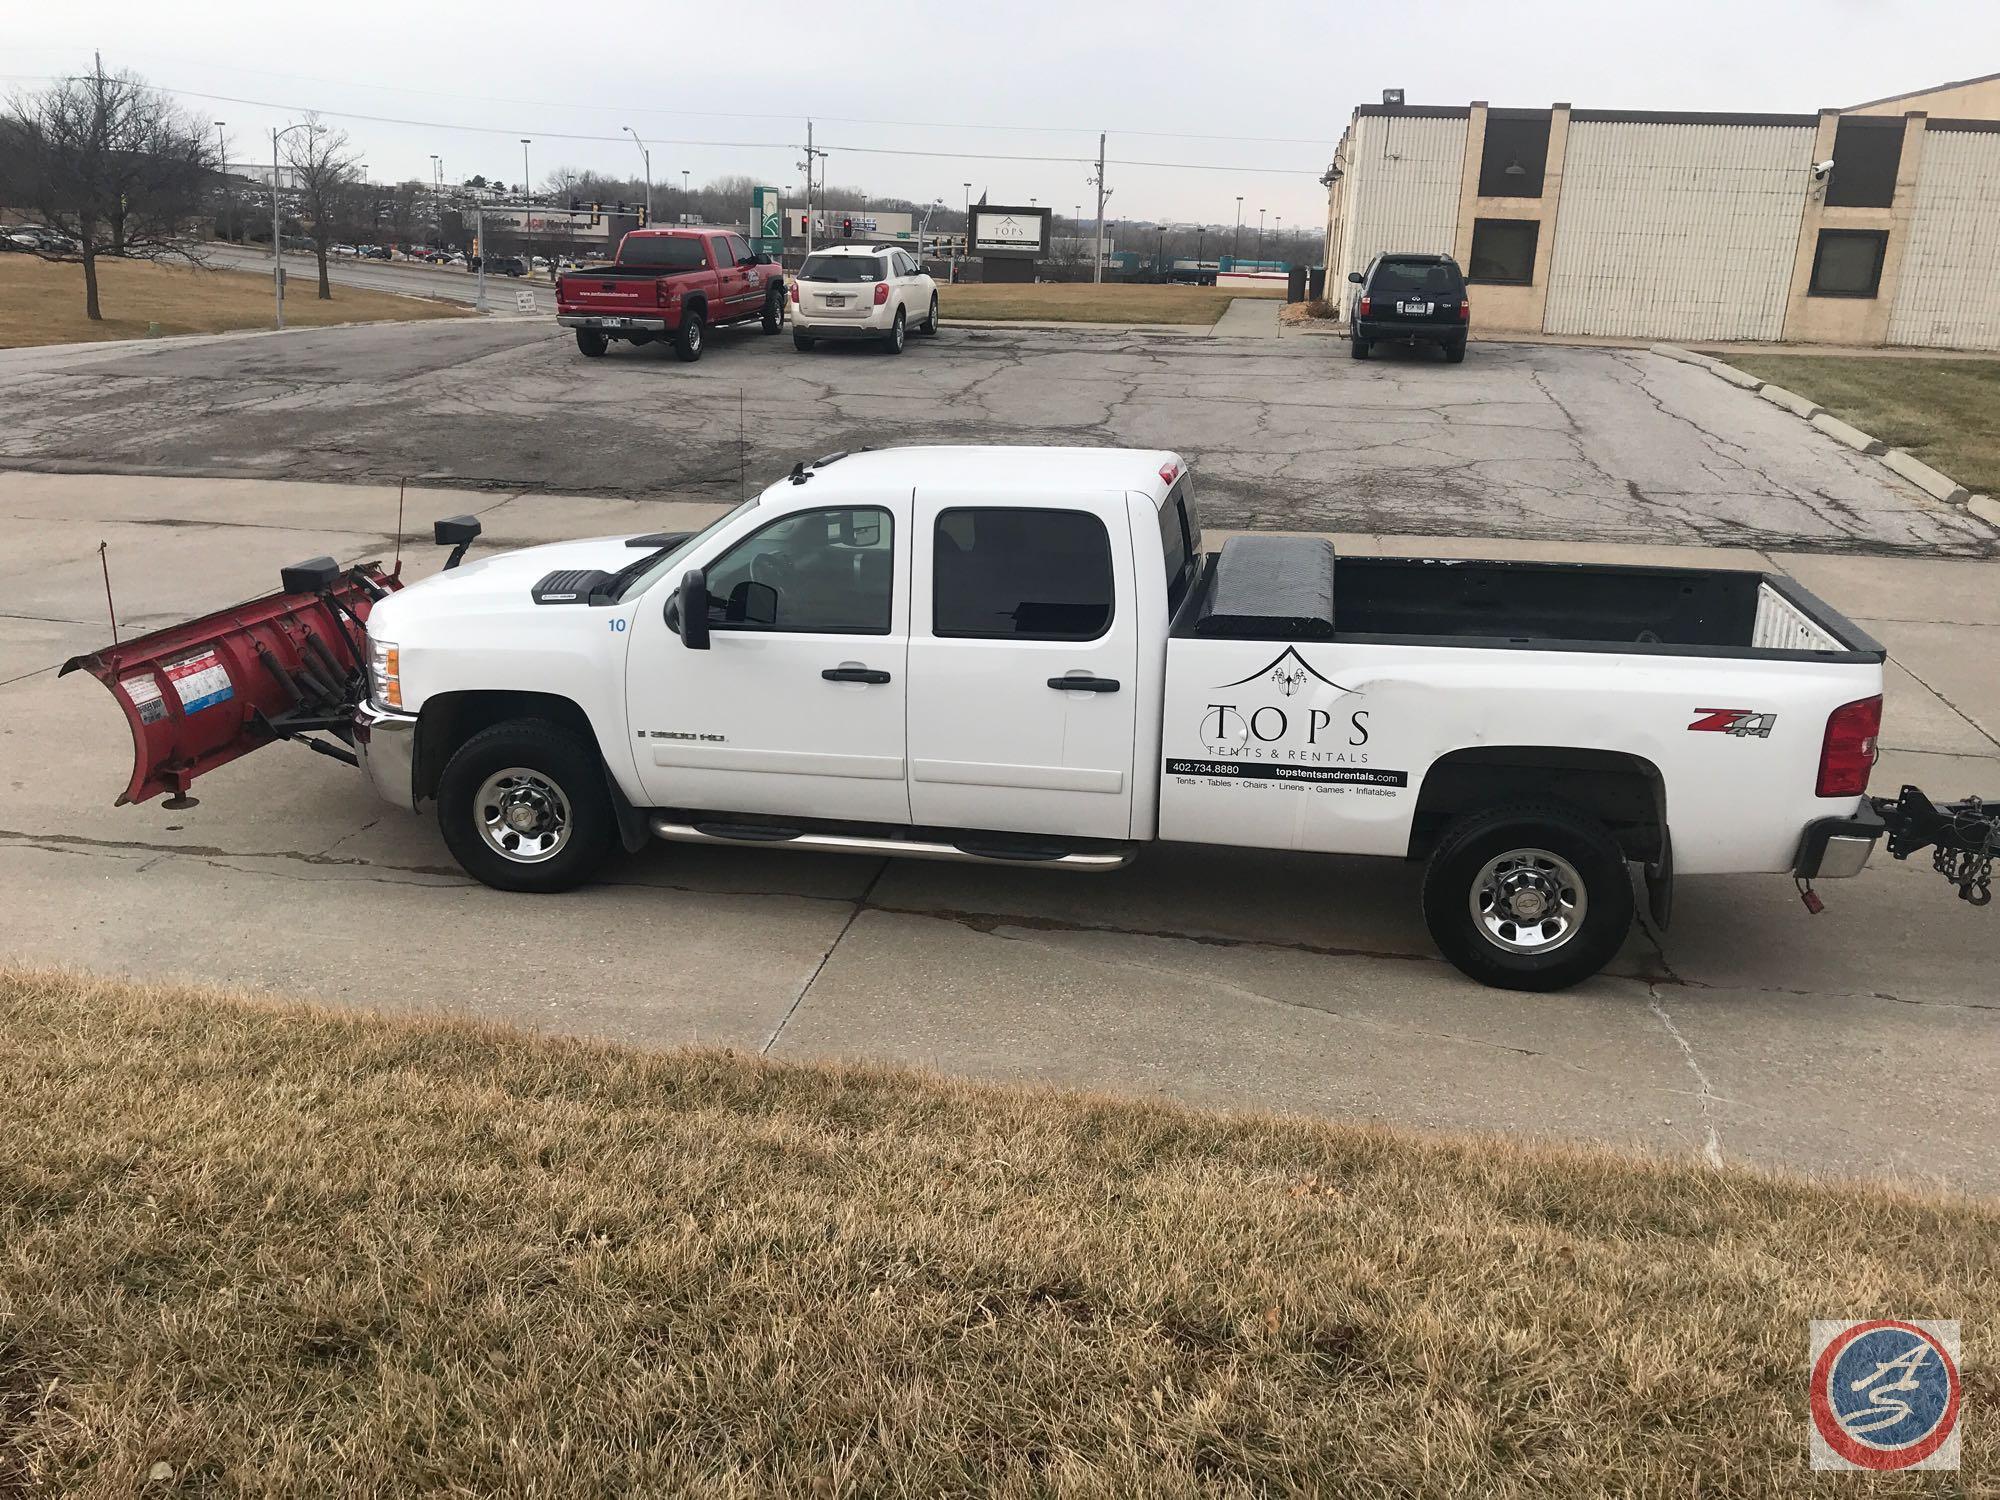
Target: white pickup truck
<point>1025,656</point>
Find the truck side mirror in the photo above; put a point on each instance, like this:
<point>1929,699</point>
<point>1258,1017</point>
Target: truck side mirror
<point>1355,277</point>
<point>692,600</point>
<point>457,533</point>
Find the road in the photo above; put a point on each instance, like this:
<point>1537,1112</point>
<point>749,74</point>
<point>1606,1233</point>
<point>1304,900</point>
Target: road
<point>1529,442</point>
<point>1863,1041</point>
<point>386,276</point>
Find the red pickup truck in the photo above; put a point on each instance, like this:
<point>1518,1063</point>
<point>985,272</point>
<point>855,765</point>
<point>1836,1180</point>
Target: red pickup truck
<point>671,283</point>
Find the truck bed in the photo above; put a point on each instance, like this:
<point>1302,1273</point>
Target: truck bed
<point>1296,588</point>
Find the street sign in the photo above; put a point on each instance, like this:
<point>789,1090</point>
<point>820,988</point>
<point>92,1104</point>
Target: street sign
<point>524,301</point>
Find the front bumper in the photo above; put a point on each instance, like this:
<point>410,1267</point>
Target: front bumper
<point>1834,848</point>
<point>612,322</point>
<point>386,741</point>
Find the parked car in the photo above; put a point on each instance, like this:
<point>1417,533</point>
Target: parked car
<point>375,252</point>
<point>874,292</point>
<point>671,283</point>
<point>1025,657</point>
<point>506,265</point>
<point>37,238</point>
<point>1410,299</point>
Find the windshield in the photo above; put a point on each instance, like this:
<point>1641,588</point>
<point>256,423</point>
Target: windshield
<point>673,252</point>
<point>841,268</point>
<point>647,571</point>
<point>1415,276</point>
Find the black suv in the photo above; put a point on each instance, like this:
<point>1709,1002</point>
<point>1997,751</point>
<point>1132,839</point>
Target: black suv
<point>1417,299</point>
<point>506,265</point>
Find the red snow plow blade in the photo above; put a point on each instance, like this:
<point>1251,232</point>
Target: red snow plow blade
<point>282,667</point>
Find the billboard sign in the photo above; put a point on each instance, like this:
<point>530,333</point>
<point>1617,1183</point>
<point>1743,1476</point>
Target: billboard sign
<point>1018,232</point>
<point>767,225</point>
<point>577,225</point>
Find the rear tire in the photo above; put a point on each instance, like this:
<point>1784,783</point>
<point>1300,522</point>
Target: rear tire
<point>774,309</point>
<point>897,335</point>
<point>1530,896</point>
<point>523,806</point>
<point>592,343</point>
<point>1454,352</point>
<point>690,336</point>
<point>804,343</point>
<point>1357,347</point>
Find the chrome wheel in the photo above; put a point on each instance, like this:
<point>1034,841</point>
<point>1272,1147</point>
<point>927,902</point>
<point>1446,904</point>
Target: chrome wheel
<point>522,815</point>
<point>1528,901</point>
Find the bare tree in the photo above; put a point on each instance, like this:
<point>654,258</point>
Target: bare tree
<point>324,166</point>
<point>110,163</point>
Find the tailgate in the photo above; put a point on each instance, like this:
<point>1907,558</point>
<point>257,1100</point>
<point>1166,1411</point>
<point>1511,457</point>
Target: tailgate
<point>201,694</point>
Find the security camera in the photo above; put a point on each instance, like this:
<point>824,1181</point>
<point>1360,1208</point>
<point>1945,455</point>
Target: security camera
<point>1821,168</point>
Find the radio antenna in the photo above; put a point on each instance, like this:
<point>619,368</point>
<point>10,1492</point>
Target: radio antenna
<point>400,485</point>
<point>104,561</point>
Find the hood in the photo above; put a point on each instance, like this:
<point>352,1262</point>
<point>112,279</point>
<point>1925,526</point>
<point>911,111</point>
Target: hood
<point>503,581</point>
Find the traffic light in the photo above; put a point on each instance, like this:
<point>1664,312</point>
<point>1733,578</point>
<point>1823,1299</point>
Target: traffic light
<point>847,226</point>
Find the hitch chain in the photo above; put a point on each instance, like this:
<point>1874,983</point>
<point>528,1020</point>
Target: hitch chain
<point>1963,838</point>
<point>1971,870</point>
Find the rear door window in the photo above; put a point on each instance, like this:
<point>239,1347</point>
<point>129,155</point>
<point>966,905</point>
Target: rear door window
<point>1039,575</point>
<point>839,268</point>
<point>1180,541</point>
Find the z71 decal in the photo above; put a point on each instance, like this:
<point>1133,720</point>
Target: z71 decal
<point>1737,721</point>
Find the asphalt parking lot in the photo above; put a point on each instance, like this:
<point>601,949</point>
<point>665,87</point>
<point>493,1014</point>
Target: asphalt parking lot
<point>1863,1041</point>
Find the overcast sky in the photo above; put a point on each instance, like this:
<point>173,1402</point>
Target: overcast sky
<point>1235,98</point>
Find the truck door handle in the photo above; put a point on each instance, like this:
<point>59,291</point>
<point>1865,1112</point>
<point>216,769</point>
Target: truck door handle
<point>854,674</point>
<point>1085,684</point>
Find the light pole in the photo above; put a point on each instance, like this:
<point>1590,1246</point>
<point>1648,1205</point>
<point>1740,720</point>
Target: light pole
<point>1260,238</point>
<point>222,163</point>
<point>527,192</point>
<point>685,207</point>
<point>1236,245</point>
<point>1278,234</point>
<point>647,157</point>
<point>277,248</point>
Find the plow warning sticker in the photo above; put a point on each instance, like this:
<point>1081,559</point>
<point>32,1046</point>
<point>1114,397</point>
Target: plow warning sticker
<point>201,680</point>
<point>145,696</point>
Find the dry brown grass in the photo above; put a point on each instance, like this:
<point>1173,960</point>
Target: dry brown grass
<point>1084,302</point>
<point>1945,411</point>
<point>41,302</point>
<point>281,1250</point>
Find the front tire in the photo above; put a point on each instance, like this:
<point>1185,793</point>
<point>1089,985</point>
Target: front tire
<point>774,309</point>
<point>689,337</point>
<point>929,327</point>
<point>591,343</point>
<point>523,807</point>
<point>1528,897</point>
<point>897,336</point>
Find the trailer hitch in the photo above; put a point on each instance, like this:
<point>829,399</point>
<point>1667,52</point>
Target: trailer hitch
<point>1963,837</point>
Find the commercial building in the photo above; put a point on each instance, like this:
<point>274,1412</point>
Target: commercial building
<point>1876,225</point>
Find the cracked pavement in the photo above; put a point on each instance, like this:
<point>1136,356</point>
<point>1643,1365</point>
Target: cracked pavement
<point>1861,1042</point>
<point>1530,442</point>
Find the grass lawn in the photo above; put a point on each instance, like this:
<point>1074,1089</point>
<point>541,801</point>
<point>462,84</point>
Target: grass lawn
<point>1945,411</point>
<point>1085,302</point>
<point>283,1250</point>
<point>41,302</point>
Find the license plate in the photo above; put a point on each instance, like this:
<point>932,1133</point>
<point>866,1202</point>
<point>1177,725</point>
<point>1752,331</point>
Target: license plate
<point>1416,309</point>
<point>614,322</point>
<point>836,302</point>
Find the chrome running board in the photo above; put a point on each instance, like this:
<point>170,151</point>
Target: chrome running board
<point>845,843</point>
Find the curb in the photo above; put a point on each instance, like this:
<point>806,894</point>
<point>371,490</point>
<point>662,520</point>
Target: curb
<point>1924,477</point>
<point>1938,486</point>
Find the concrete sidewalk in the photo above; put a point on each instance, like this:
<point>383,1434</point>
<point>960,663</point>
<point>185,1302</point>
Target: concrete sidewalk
<point>1864,1041</point>
<point>1250,318</point>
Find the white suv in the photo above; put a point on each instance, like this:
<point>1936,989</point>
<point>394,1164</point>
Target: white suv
<point>862,292</point>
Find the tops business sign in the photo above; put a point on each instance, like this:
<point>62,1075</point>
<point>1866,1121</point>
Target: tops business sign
<point>1010,231</point>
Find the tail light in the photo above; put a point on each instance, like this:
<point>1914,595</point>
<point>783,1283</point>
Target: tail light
<point>1465,310</point>
<point>1365,306</point>
<point>795,294</point>
<point>881,293</point>
<point>1847,754</point>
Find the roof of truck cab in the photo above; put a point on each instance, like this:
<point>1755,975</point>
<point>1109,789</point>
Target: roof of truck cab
<point>989,470</point>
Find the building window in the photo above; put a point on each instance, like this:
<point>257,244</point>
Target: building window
<point>1848,262</point>
<point>1503,250</point>
<point>1866,154</point>
<point>1515,153</point>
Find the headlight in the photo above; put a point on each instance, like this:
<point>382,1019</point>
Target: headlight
<point>385,682</point>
